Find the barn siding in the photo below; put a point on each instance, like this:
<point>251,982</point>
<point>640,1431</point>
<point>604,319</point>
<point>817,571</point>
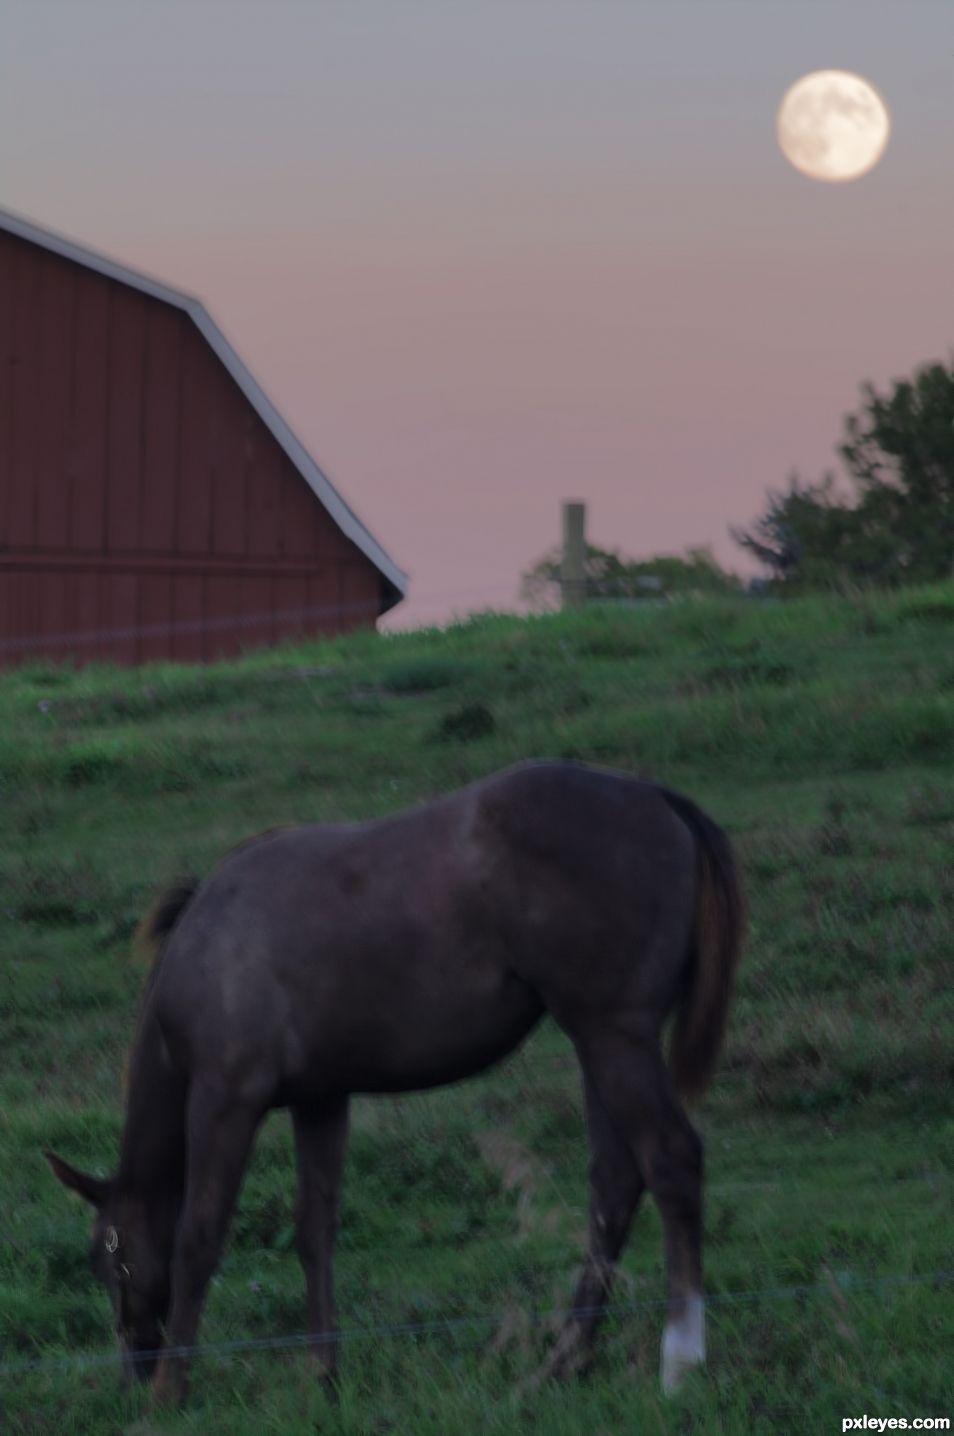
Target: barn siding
<point>155,612</point>
<point>359,594</point>
<point>187,613</point>
<point>157,513</point>
<point>256,600</point>
<point>194,508</point>
<point>87,458</point>
<point>125,409</point>
<point>51,599</point>
<point>89,612</point>
<point>140,488</point>
<point>27,415</point>
<point>54,322</point>
<point>6,396</point>
<point>263,494</point>
<point>226,463</point>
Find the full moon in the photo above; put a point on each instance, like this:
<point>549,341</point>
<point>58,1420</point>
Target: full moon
<point>833,125</point>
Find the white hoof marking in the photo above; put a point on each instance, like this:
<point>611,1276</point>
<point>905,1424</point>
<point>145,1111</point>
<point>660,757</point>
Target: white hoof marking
<point>683,1344</point>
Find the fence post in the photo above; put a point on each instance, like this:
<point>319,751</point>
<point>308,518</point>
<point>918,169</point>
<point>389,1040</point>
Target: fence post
<point>572,573</point>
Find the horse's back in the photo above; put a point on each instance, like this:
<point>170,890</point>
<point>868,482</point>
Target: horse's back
<point>419,947</point>
<point>356,955</point>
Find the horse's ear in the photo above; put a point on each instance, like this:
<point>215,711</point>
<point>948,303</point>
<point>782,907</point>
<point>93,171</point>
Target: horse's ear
<point>92,1189</point>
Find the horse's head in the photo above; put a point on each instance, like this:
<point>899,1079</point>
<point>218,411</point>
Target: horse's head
<point>129,1261</point>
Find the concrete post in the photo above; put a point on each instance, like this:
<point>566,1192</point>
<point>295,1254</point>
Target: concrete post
<point>572,573</point>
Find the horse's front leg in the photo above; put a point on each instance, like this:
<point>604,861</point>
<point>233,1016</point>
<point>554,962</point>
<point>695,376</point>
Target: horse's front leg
<point>321,1131</point>
<point>219,1134</point>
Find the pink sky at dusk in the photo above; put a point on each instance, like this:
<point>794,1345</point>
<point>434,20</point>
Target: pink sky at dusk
<point>487,256</point>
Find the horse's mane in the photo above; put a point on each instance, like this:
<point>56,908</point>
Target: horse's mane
<point>148,943</point>
<point>172,901</point>
<point>163,915</point>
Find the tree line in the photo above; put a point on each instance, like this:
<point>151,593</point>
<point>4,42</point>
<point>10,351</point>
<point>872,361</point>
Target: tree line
<point>889,522</point>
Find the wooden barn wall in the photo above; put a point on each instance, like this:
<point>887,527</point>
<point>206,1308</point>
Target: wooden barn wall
<point>139,489</point>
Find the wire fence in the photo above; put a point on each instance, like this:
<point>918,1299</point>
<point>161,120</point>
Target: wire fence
<point>272,619</point>
<point>451,1325</point>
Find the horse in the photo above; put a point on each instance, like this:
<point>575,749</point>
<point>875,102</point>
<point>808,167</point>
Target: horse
<point>409,952</point>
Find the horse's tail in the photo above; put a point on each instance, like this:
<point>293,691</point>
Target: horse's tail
<point>163,915</point>
<point>717,944</point>
<point>148,942</point>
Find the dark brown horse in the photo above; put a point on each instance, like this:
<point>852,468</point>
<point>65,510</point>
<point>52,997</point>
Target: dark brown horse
<point>405,953</point>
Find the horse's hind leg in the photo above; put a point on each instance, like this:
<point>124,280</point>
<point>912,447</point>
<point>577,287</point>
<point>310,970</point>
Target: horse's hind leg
<point>636,1091</point>
<point>321,1131</point>
<point>616,1185</point>
<point>219,1134</point>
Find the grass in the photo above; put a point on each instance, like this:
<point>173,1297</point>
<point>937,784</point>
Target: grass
<point>821,733</point>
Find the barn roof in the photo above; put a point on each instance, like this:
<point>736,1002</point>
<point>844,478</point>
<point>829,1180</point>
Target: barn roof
<point>322,487</point>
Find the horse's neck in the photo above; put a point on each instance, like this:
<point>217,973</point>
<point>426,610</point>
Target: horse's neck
<point>153,1144</point>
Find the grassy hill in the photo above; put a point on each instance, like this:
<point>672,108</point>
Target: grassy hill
<point>820,733</point>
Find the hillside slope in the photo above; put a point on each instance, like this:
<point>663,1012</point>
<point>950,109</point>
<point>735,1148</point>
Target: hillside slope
<point>820,733</point>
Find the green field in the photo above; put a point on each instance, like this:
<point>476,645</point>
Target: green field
<point>820,733</point>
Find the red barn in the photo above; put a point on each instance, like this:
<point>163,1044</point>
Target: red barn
<point>153,503</point>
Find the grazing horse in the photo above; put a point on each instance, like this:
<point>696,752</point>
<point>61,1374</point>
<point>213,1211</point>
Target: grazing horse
<point>404,953</point>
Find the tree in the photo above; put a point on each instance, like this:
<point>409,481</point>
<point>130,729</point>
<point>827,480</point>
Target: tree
<point>608,575</point>
<point>806,537</point>
<point>897,524</point>
<point>900,454</point>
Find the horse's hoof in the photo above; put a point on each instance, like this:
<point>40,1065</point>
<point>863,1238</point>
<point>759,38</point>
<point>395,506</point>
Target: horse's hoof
<point>569,1364</point>
<point>674,1373</point>
<point>683,1346</point>
<point>329,1381</point>
<point>168,1387</point>
<point>574,1366</point>
<point>530,1385</point>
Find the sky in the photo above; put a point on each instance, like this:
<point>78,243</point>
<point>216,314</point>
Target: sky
<point>488,255</point>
